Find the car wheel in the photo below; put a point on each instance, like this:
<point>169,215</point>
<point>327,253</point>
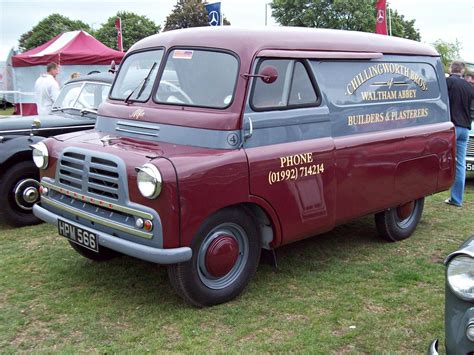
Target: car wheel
<point>226,251</point>
<point>18,193</point>
<point>399,223</point>
<point>104,253</point>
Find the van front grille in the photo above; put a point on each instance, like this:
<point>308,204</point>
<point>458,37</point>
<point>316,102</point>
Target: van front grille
<point>90,174</point>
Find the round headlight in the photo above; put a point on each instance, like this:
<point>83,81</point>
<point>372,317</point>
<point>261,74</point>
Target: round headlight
<point>149,181</point>
<point>460,276</point>
<point>40,155</point>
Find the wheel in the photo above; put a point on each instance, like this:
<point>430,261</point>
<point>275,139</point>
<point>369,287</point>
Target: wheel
<point>104,253</point>
<point>399,223</point>
<point>226,251</point>
<point>18,193</point>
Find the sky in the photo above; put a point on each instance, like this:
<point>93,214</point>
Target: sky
<point>435,19</point>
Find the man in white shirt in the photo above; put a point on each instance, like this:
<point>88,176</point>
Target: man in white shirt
<point>47,89</point>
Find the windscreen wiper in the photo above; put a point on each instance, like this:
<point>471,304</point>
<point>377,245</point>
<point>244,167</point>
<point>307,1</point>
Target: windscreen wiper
<point>142,85</point>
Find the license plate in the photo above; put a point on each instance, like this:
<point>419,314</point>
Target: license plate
<point>469,166</point>
<point>78,235</point>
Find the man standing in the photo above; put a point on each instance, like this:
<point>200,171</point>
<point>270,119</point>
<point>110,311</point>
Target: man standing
<point>460,95</point>
<point>47,89</point>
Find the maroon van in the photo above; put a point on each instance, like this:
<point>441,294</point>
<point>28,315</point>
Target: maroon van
<point>217,142</point>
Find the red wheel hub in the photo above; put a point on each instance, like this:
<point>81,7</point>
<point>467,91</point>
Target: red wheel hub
<point>404,211</point>
<point>221,255</point>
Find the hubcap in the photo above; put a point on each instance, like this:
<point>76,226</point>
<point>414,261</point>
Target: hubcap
<point>404,214</point>
<point>222,256</point>
<point>404,211</point>
<point>26,193</point>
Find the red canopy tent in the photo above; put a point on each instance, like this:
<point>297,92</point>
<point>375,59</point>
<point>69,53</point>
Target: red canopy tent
<point>75,51</point>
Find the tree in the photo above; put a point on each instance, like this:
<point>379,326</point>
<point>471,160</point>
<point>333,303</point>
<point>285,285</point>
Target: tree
<point>48,28</point>
<point>448,52</point>
<point>404,28</point>
<point>355,15</point>
<point>188,13</point>
<point>134,28</point>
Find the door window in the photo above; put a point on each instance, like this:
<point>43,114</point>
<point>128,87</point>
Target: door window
<point>292,88</point>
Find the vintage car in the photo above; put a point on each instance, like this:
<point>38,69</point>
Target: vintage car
<point>259,138</point>
<point>459,303</point>
<point>74,110</point>
<point>470,152</point>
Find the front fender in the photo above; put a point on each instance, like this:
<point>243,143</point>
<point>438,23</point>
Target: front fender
<point>13,146</point>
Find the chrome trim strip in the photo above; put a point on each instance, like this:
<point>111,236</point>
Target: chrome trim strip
<point>100,220</point>
<point>97,202</point>
<point>137,132</point>
<point>28,130</point>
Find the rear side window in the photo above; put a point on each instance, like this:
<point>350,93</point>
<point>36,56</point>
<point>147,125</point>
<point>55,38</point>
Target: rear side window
<point>292,88</point>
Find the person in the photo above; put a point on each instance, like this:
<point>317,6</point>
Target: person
<point>75,75</point>
<point>47,89</point>
<point>460,94</point>
<point>470,78</point>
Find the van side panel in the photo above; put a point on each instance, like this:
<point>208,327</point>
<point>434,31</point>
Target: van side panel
<point>390,123</point>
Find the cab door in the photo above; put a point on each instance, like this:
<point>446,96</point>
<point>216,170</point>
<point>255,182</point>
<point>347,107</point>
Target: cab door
<point>290,150</point>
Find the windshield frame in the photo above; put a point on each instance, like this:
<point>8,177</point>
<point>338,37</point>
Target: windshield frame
<point>121,67</point>
<point>197,48</point>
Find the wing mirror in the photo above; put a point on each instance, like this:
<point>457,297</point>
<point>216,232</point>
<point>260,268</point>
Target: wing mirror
<point>268,74</point>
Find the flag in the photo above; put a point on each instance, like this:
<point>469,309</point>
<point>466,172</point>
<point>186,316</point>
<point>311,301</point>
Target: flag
<point>214,14</point>
<point>381,18</point>
<point>118,27</point>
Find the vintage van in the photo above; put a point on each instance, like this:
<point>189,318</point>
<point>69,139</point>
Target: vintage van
<point>233,140</point>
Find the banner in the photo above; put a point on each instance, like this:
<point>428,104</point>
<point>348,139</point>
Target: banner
<point>118,27</point>
<point>381,18</point>
<point>214,14</point>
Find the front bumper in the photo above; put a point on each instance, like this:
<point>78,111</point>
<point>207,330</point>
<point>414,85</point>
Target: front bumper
<point>139,251</point>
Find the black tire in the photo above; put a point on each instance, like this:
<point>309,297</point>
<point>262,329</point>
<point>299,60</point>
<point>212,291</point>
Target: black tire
<point>104,253</point>
<point>394,228</point>
<point>14,209</point>
<point>194,283</point>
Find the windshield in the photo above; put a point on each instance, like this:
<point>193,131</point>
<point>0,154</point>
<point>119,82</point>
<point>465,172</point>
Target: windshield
<point>137,75</point>
<point>198,78</point>
<point>82,95</point>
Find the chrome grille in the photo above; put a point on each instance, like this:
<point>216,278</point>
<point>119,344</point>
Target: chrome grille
<point>470,146</point>
<point>90,174</point>
<point>71,169</point>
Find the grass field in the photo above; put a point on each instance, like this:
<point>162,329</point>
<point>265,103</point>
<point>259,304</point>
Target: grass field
<point>342,292</point>
<point>7,112</point>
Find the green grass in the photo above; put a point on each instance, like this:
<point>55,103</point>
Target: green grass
<point>344,291</point>
<point>9,111</point>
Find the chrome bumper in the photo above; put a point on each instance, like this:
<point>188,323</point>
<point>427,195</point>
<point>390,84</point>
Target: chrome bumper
<point>433,349</point>
<point>139,251</point>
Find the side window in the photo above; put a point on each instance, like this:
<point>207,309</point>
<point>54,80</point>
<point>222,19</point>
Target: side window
<point>302,91</point>
<point>272,95</point>
<point>292,88</point>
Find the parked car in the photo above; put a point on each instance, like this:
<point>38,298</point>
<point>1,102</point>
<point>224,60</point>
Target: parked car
<point>459,302</point>
<point>470,152</point>
<point>470,145</point>
<point>74,110</point>
<point>250,144</point>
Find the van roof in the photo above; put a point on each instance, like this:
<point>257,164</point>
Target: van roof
<point>250,41</point>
